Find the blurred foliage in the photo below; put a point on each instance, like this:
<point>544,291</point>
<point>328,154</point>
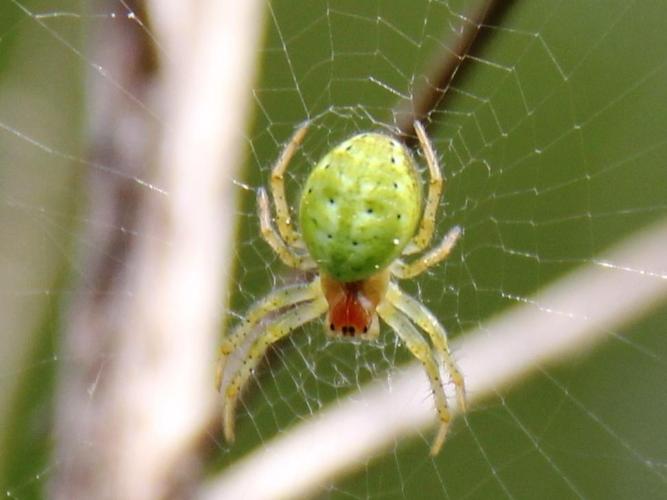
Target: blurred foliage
<point>40,121</point>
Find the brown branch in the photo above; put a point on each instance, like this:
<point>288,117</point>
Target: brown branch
<point>448,64</point>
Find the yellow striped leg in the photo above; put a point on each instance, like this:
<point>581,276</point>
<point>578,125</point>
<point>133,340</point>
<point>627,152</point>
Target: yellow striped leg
<point>435,186</point>
<point>291,319</point>
<point>269,234</point>
<point>276,300</point>
<point>283,216</point>
<point>422,351</point>
<point>424,319</point>
<point>403,270</point>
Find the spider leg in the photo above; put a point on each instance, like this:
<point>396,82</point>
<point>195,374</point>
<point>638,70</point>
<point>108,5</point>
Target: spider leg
<point>425,320</point>
<point>283,216</point>
<point>435,186</point>
<point>278,245</point>
<point>423,352</point>
<point>274,301</point>
<point>403,270</point>
<point>293,318</point>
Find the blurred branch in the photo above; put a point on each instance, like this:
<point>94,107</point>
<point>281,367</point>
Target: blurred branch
<point>571,316</point>
<point>447,63</point>
<point>158,296</point>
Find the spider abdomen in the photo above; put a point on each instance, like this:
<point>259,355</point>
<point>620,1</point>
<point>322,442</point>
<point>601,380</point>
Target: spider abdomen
<point>360,206</point>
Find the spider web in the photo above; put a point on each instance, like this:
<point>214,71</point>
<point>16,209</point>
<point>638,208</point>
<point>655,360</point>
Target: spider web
<point>551,138</point>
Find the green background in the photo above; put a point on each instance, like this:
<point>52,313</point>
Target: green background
<point>553,146</point>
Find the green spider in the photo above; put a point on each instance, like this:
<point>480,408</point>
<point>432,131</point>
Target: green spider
<point>359,213</point>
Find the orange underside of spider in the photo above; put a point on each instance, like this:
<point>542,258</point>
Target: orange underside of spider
<point>352,305</point>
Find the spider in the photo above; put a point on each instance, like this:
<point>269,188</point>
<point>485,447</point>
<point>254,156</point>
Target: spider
<point>359,214</point>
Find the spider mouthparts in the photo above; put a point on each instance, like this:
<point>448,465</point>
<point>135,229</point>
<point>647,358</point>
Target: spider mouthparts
<point>349,330</point>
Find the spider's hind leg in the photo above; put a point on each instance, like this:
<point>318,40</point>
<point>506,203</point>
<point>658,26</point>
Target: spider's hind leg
<point>290,256</point>
<point>436,185</point>
<point>283,214</point>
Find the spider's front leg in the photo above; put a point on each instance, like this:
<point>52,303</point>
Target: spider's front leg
<point>279,328</point>
<point>279,299</point>
<point>424,319</point>
<point>422,351</point>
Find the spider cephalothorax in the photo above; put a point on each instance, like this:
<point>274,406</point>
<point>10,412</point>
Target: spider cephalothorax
<point>352,305</point>
<point>359,213</point>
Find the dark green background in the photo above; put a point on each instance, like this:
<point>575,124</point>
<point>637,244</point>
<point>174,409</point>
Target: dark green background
<point>583,106</point>
<point>553,146</point>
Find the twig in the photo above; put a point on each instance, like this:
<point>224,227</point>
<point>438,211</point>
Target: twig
<point>571,316</point>
<point>132,434</point>
<point>446,64</point>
